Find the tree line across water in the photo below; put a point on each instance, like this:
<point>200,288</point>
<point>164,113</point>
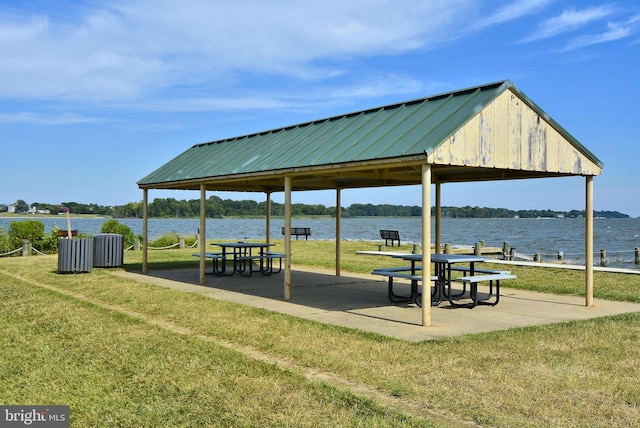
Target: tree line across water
<point>219,208</point>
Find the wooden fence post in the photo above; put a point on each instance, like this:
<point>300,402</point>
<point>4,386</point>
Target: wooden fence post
<point>478,249</point>
<point>506,250</point>
<point>26,248</point>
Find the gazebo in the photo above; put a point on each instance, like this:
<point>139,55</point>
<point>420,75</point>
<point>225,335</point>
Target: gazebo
<point>485,133</point>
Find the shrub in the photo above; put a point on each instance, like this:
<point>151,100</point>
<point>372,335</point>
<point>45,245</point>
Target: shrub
<point>172,238</point>
<point>5,242</point>
<point>114,226</point>
<point>49,242</point>
<point>165,240</point>
<point>190,240</point>
<point>31,230</point>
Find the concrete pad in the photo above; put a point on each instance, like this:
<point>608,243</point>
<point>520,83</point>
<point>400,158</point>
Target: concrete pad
<point>360,301</point>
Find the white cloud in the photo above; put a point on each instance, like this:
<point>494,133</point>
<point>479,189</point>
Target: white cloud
<point>614,31</point>
<point>567,21</point>
<point>132,48</point>
<point>135,54</point>
<point>13,29</point>
<point>511,11</point>
<point>47,119</point>
<point>311,100</point>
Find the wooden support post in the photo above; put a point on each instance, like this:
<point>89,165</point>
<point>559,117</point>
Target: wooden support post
<point>145,230</point>
<point>588,271</point>
<point>438,250</point>
<point>268,225</point>
<point>426,245</point>
<point>203,232</point>
<point>287,238</point>
<point>338,232</point>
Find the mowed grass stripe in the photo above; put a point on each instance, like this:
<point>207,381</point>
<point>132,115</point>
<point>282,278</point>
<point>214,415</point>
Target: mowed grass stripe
<point>98,348</point>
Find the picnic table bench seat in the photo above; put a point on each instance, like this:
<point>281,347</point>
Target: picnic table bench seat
<point>404,273</point>
<point>467,270</point>
<point>214,256</point>
<point>265,269</point>
<point>268,257</point>
<point>390,235</point>
<point>299,231</point>
<point>473,281</point>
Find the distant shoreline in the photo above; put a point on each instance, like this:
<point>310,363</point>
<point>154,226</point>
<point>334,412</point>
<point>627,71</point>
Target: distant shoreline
<point>23,216</point>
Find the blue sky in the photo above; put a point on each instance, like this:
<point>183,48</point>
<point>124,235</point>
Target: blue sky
<point>96,95</point>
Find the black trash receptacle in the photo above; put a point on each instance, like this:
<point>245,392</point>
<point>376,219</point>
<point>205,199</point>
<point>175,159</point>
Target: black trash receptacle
<point>108,250</point>
<point>75,255</point>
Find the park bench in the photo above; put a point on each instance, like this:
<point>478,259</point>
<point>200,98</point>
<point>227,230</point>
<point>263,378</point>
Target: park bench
<point>299,231</point>
<point>390,235</point>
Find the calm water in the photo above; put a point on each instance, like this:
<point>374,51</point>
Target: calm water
<point>619,237</point>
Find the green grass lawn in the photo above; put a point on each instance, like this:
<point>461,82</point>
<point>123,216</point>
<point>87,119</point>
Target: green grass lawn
<point>124,353</point>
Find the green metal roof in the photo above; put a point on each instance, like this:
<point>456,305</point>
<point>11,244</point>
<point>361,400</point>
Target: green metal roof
<point>402,132</point>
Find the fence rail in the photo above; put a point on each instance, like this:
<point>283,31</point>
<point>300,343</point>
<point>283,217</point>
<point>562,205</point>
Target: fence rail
<point>27,248</point>
<point>602,257</point>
